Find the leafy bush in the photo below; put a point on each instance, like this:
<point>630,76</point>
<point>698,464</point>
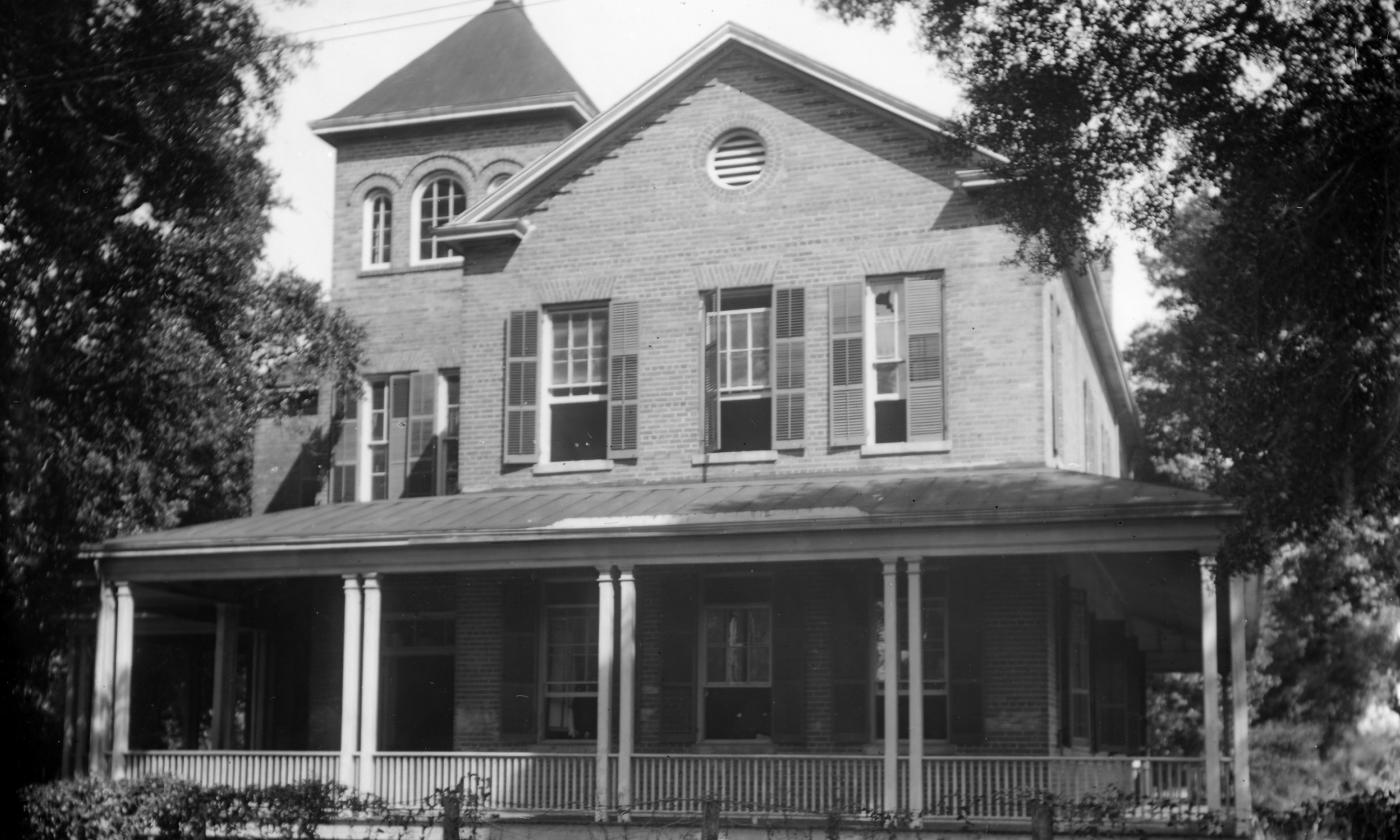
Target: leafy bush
<point>1370,815</point>
<point>170,809</point>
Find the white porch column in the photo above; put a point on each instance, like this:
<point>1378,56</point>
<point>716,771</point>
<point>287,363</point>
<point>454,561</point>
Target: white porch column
<point>104,673</point>
<point>350,682</point>
<point>121,696</point>
<point>1210,673</point>
<point>605,698</point>
<point>891,604</point>
<point>369,684</point>
<point>626,689</point>
<point>916,690</point>
<point>1239,697</point>
<point>225,674</point>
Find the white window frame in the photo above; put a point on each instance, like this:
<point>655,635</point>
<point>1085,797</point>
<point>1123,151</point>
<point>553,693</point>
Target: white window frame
<point>416,239</point>
<point>364,478</point>
<point>373,234</point>
<point>596,391</point>
<point>726,392</point>
<point>871,320</point>
<point>442,424</point>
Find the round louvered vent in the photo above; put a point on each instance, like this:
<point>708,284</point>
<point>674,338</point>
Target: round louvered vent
<point>737,158</point>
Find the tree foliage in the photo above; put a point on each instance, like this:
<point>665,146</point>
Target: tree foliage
<point>140,340</point>
<point>1258,142</point>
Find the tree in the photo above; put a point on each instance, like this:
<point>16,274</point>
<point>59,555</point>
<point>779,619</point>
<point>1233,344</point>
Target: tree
<point>140,341</point>
<point>1258,143</point>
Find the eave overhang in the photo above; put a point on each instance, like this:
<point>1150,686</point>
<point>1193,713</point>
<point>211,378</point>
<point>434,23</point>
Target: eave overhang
<point>492,229</point>
<point>576,108</point>
<point>952,513</point>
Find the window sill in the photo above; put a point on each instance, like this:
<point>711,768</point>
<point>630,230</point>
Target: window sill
<point>870,450</point>
<point>416,268</point>
<point>757,456</point>
<point>560,467</point>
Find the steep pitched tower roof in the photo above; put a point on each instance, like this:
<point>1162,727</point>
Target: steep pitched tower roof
<point>495,63</point>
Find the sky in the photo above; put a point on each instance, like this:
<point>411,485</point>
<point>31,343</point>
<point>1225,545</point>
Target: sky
<point>610,46</point>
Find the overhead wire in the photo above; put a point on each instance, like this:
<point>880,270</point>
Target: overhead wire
<point>104,71</point>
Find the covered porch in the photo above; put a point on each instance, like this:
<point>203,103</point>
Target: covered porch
<point>736,647</point>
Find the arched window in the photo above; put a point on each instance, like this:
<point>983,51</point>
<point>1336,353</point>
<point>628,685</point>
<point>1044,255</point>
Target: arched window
<point>439,200</point>
<point>378,223</point>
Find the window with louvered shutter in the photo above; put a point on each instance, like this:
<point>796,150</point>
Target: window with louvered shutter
<point>846,405</point>
<point>789,367</point>
<point>737,159</point>
<point>924,313</point>
<point>521,384</point>
<point>576,386</point>
<point>624,337</point>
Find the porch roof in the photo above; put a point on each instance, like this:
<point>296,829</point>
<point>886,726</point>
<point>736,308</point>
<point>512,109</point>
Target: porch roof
<point>949,511</point>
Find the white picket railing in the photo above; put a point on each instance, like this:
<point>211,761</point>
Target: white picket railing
<point>757,784</point>
<point>954,787</point>
<point>534,782</point>
<point>237,768</point>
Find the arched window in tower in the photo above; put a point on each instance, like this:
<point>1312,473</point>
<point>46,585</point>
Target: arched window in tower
<point>439,199</point>
<point>378,225</point>
<point>497,181</point>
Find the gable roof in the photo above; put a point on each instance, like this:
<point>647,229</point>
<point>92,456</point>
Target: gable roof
<point>475,222</point>
<point>494,63</point>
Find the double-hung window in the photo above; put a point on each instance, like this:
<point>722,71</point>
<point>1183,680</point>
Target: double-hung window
<point>580,405</point>
<point>378,226</point>
<point>738,658</point>
<point>570,661</point>
<point>397,439</point>
<point>754,369</point>
<point>576,393</point>
<point>886,356</point>
<point>933,694</point>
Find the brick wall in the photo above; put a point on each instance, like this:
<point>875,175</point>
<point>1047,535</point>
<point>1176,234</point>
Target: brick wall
<point>477,671</point>
<point>1014,662</point>
<point>848,193</point>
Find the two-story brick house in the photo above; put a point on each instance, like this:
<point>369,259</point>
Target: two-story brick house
<point>683,423</point>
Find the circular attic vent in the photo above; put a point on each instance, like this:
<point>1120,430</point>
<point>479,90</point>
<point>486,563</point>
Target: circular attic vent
<point>736,159</point>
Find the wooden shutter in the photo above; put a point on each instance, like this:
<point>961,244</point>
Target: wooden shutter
<point>624,344</point>
<point>398,397</point>
<point>678,649</point>
<point>709,365</point>
<point>519,660</point>
<point>847,402</point>
<point>522,387</point>
<point>1062,645</point>
<point>345,446</point>
<point>789,660</point>
<point>422,443</point>
<point>789,368</point>
<point>851,669</point>
<point>965,608</point>
<point>924,349</point>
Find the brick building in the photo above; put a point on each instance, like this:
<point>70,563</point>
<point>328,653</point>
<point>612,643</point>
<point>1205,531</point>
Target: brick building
<point>707,445</point>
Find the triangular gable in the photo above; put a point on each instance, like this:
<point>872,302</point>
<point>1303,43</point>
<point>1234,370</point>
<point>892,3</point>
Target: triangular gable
<point>494,63</point>
<point>490,217</point>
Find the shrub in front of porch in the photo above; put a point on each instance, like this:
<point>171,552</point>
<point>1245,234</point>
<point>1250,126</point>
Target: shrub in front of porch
<point>171,809</point>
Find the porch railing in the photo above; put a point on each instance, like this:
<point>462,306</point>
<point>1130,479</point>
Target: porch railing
<point>536,782</point>
<point>757,784</point>
<point>955,787</point>
<point>237,768</point>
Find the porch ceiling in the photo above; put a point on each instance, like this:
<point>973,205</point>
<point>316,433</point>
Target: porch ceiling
<point>955,512</point>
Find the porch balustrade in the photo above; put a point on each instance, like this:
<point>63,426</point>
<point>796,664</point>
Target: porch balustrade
<point>955,787</point>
